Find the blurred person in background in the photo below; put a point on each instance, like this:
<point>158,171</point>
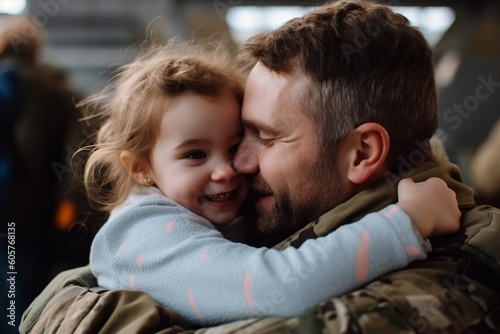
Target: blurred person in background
<point>468,81</point>
<point>485,168</point>
<point>38,121</point>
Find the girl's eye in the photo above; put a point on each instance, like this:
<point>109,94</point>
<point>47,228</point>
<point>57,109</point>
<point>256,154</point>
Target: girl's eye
<point>196,155</point>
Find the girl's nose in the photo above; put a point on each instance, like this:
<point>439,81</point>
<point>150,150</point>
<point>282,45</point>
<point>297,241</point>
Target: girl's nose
<point>223,172</point>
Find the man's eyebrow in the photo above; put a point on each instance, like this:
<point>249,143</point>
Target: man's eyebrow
<point>261,127</point>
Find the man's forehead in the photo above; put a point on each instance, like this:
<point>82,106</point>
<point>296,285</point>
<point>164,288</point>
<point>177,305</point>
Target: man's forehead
<point>270,96</point>
<point>263,77</point>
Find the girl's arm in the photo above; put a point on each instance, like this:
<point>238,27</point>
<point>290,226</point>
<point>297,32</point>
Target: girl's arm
<point>181,260</point>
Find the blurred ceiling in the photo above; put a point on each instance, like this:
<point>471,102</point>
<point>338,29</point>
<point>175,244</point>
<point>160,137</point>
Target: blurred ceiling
<point>89,38</point>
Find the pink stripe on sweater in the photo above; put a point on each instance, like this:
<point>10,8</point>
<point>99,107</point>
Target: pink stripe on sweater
<point>412,250</point>
<point>247,289</point>
<point>121,247</point>
<point>204,255</point>
<point>132,282</point>
<point>194,307</point>
<point>390,212</point>
<point>140,260</point>
<point>170,226</point>
<point>196,219</point>
<point>362,258</point>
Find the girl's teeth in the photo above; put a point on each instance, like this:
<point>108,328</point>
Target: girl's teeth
<point>221,197</point>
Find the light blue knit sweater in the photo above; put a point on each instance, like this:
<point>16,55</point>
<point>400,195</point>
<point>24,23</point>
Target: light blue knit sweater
<point>153,244</point>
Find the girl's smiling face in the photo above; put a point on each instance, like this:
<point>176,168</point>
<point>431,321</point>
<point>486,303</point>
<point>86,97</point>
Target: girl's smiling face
<point>191,160</point>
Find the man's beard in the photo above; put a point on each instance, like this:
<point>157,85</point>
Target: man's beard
<point>317,192</point>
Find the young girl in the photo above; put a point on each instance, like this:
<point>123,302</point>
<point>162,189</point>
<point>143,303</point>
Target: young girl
<point>162,167</point>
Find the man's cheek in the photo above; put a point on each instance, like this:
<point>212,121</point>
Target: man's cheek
<point>272,171</point>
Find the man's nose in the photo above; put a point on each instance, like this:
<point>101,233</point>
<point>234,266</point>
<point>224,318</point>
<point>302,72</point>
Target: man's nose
<point>246,160</point>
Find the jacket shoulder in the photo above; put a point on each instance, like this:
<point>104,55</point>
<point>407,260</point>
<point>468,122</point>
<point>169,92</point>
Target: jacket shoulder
<point>482,227</point>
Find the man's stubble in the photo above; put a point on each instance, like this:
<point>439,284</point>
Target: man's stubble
<point>317,192</point>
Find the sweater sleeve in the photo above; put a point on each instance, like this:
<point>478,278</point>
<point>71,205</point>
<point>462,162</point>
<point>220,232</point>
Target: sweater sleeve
<point>183,262</point>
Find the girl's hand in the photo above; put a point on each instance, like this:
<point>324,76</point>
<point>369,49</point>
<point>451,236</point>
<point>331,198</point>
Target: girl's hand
<point>431,205</point>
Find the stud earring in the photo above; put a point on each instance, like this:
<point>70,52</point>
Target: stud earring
<point>147,181</point>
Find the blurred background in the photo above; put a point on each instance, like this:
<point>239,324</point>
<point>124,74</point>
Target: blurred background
<point>64,50</point>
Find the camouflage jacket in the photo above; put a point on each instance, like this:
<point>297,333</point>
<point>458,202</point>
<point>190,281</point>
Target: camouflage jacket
<point>455,290</point>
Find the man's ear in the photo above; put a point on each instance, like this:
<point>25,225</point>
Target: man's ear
<point>369,146</point>
<point>139,170</point>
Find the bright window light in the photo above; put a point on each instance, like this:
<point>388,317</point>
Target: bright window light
<point>246,21</point>
<point>13,7</point>
<point>432,21</point>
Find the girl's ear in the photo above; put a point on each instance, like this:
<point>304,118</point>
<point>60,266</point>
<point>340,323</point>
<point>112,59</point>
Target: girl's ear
<point>369,149</point>
<point>139,170</point>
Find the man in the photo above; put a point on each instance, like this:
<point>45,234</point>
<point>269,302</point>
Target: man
<point>340,105</point>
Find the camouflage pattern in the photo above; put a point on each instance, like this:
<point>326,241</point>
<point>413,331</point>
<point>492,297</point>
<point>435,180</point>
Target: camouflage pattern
<point>455,290</point>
